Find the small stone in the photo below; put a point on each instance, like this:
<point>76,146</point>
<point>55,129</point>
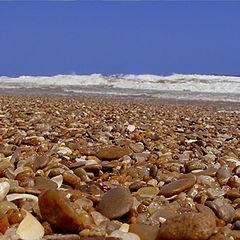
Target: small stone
<point>4,189</point>
<point>137,147</point>
<point>62,237</point>
<point>191,226</point>
<point>131,128</point>
<point>116,202</point>
<point>177,186</point>
<point>113,152</point>
<point>56,209</point>
<point>145,232</point>
<point>43,183</point>
<point>226,212</point>
<point>41,162</point>
<point>141,157</point>
<point>152,182</point>
<point>124,235</point>
<point>148,191</point>
<point>223,174</point>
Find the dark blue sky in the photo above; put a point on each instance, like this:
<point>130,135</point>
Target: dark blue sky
<point>49,38</point>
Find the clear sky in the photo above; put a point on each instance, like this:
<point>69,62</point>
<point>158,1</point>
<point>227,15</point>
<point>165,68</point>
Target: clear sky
<point>141,37</point>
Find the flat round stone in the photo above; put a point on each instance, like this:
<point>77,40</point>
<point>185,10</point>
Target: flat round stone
<point>177,186</point>
<point>116,202</point>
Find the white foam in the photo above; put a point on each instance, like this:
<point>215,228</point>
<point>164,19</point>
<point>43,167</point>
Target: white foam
<point>174,82</point>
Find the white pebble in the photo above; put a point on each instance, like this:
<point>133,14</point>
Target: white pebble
<point>4,189</point>
<point>124,235</point>
<point>131,128</point>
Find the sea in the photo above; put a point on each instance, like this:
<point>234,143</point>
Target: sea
<point>177,87</point>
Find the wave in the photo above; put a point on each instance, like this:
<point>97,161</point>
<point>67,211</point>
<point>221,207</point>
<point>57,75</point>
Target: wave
<point>174,82</point>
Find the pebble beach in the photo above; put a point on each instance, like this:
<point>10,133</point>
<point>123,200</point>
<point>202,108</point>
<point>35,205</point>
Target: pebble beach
<point>103,168</point>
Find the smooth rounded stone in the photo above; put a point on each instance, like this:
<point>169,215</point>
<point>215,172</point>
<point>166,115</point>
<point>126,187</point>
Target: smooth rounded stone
<point>233,194</point>
<point>124,235</point>
<point>131,128</point>
<point>110,226</point>
<point>226,212</point>
<point>136,185</point>
<point>190,226</point>
<point>209,158</point>
<point>161,215</point>
<point>80,172</point>
<point>145,232</point>
<point>116,202</point>
<point>41,162</point>
<point>43,183</point>
<point>141,157</point>
<point>5,206</point>
<point>77,164</point>
<point>177,186</point>
<point>195,165</point>
<point>208,172</point>
<point>237,225</point>
<point>56,209</point>
<point>61,237</point>
<point>71,178</point>
<point>92,167</point>
<point>4,189</point>
<point>148,191</point>
<point>223,174</point>
<point>206,181</point>
<point>153,171</point>
<point>113,152</point>
<point>137,147</point>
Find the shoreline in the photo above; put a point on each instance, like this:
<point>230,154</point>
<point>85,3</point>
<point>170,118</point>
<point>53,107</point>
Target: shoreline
<point>141,99</point>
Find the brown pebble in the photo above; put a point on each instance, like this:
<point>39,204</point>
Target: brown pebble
<point>177,186</point>
<point>145,232</point>
<point>190,226</point>
<point>43,183</point>
<point>56,209</point>
<point>113,152</point>
<point>62,237</point>
<point>116,202</point>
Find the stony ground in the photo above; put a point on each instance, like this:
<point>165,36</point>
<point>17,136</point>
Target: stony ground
<point>92,169</point>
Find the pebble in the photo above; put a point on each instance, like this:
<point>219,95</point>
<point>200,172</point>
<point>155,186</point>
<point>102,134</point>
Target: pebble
<point>112,153</point>
<point>4,189</point>
<point>56,209</point>
<point>177,186</point>
<point>190,226</point>
<point>62,237</point>
<point>124,235</point>
<point>148,191</point>
<point>145,232</point>
<point>116,202</point>
<point>43,183</point>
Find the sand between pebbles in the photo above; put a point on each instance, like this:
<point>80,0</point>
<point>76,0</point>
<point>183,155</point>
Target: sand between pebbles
<point>76,168</point>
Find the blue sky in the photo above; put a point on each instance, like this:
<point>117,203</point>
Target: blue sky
<point>49,38</point>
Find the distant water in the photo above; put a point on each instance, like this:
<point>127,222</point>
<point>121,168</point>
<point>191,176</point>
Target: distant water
<point>177,86</point>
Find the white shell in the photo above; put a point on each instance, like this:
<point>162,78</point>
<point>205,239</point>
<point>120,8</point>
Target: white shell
<point>30,228</point>
<point>4,189</point>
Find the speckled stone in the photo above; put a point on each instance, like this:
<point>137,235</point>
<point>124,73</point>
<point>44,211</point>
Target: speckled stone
<point>116,202</point>
<point>190,226</point>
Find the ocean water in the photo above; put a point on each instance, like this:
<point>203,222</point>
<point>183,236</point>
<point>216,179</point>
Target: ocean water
<point>175,86</point>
